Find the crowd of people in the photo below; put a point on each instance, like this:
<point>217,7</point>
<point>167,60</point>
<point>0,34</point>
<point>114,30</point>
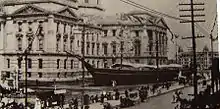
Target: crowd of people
<point>123,96</point>
<point>143,93</point>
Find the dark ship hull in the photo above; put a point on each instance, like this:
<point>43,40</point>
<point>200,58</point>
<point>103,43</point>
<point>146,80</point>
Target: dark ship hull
<point>129,77</point>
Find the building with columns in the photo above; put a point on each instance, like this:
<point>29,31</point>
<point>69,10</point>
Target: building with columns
<point>203,58</point>
<point>136,35</point>
<point>51,27</point>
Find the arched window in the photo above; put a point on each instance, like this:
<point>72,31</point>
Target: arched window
<point>19,37</point>
<point>65,37</point>
<point>41,43</point>
<point>113,47</point>
<point>97,64</point>
<point>105,48</point>
<point>19,41</point>
<point>71,43</point>
<point>41,36</point>
<point>58,37</point>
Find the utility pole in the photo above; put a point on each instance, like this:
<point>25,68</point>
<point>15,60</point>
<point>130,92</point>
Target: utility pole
<point>192,21</point>
<point>26,68</point>
<point>122,44</point>
<point>83,59</point>
<point>212,57</point>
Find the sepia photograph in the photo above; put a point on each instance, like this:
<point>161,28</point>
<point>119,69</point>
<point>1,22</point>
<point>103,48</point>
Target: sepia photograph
<point>109,54</point>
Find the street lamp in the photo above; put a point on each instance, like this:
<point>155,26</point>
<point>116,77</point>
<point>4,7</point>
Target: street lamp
<point>25,54</point>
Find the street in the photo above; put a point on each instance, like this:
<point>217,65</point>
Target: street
<point>161,102</point>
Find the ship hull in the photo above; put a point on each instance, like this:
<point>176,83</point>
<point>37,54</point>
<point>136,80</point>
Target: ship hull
<point>129,77</point>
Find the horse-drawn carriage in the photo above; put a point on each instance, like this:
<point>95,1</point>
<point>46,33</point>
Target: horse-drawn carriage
<point>132,99</point>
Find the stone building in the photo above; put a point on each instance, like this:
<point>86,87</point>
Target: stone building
<point>50,27</point>
<point>204,58</point>
<point>136,35</point>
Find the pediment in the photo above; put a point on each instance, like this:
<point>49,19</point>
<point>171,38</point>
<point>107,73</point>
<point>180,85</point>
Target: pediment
<point>66,12</point>
<point>161,23</point>
<point>29,9</point>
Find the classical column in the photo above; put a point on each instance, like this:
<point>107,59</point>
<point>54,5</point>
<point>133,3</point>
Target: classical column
<point>10,44</point>
<point>2,39</point>
<point>51,35</point>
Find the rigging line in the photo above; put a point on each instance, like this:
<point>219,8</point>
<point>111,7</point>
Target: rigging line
<point>214,24</point>
<point>163,14</point>
<point>154,11</point>
<point>145,10</point>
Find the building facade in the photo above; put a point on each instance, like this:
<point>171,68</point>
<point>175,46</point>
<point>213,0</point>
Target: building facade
<point>203,58</point>
<point>47,29</point>
<point>137,37</point>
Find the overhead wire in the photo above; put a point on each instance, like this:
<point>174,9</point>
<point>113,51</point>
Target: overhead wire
<point>205,32</point>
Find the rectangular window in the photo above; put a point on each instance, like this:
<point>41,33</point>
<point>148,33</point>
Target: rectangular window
<point>76,64</point>
<point>97,48</point>
<point>105,32</point>
<point>58,63</point>
<point>8,63</point>
<point>30,44</point>
<point>40,75</point>
<point>65,62</point>
<point>64,28</point>
<point>137,33</point>
<point>105,47</point>
<point>93,47</point>
<point>82,48</point>
<point>71,64</point>
<point>87,48</point>
<point>113,32</point>
<point>40,63</point>
<point>29,74</point>
<point>97,64</point>
<point>29,63</point>
<point>114,49</point>
<point>41,44</point>
<point>19,44</point>
<point>87,36</point>
<point>19,63</point>
<point>113,60</point>
<point>71,29</point>
<point>97,38</point>
<point>57,44</point>
<point>71,45</point>
<point>58,24</point>
<point>150,34</point>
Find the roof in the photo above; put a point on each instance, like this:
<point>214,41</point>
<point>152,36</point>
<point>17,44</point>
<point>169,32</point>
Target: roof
<point>132,18</point>
<point>70,3</point>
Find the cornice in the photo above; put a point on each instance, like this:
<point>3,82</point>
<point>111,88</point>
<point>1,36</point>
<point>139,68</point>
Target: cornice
<point>60,2</point>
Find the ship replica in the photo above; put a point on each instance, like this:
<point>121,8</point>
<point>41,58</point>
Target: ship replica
<point>130,73</point>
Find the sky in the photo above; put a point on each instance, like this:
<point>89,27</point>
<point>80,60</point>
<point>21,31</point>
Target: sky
<point>171,7</point>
